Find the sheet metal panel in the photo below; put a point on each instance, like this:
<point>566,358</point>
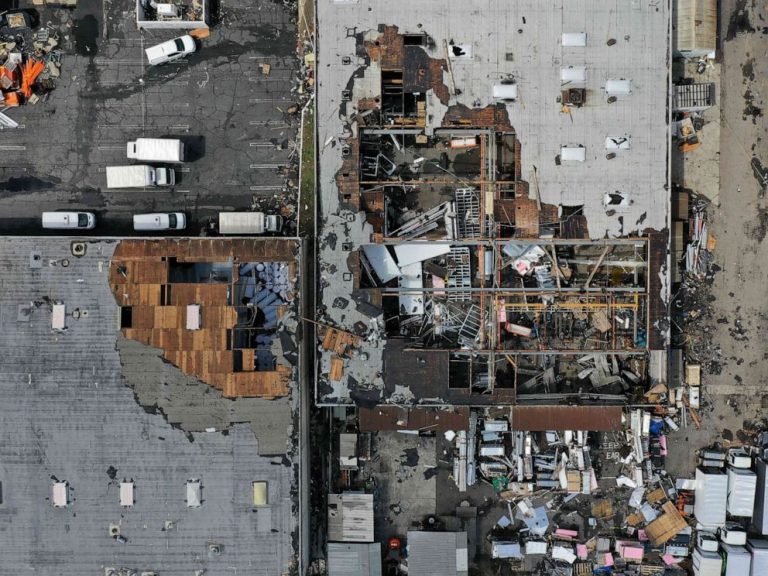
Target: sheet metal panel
<point>542,418</point>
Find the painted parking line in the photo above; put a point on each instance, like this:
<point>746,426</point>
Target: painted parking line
<point>264,188</point>
<point>257,100</point>
<point>268,123</point>
<point>182,127</point>
<point>12,147</point>
<point>111,147</point>
<point>267,166</point>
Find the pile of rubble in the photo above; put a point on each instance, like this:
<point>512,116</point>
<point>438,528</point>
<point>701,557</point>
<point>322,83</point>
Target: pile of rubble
<point>563,518</point>
<point>30,62</point>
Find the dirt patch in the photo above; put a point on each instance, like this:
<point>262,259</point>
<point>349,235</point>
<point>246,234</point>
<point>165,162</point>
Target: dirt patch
<point>758,228</point>
<point>739,22</point>
<point>748,70</point>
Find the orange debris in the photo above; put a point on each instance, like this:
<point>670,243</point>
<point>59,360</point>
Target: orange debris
<point>29,73</point>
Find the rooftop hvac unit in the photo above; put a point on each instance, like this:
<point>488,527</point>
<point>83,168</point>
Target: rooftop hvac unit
<point>168,11</point>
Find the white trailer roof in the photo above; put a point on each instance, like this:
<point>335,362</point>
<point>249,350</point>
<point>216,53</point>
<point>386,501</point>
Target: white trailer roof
<point>742,485</point>
<point>711,497</point>
<point>241,222</point>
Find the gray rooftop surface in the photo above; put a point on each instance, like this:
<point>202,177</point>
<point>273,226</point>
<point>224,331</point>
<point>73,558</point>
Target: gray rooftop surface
<point>67,414</point>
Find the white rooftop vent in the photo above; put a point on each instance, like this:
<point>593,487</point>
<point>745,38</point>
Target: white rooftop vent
<point>574,39</point>
<point>59,495</point>
<point>58,317</point>
<point>505,91</point>
<point>126,493</point>
<point>573,153</point>
<point>573,74</point>
<point>618,143</point>
<point>194,494</point>
<point>193,317</point>
<point>618,87</point>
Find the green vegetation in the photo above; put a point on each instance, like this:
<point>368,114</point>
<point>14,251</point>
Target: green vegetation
<point>307,186</point>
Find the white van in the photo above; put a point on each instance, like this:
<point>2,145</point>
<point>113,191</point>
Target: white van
<point>170,50</point>
<point>166,221</point>
<point>69,220</point>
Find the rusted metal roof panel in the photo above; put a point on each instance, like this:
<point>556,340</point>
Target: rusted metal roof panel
<point>540,418</point>
<point>427,419</point>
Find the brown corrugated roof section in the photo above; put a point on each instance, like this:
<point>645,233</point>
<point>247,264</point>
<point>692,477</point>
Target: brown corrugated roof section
<point>424,419</point>
<point>140,280</point>
<point>541,418</point>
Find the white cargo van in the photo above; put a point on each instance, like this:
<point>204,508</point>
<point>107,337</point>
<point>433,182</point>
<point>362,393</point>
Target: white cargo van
<point>69,220</point>
<point>154,222</point>
<point>156,150</point>
<point>170,50</point>
<point>139,176</point>
<point>249,223</point>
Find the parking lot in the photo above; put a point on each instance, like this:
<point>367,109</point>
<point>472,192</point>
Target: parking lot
<point>231,114</point>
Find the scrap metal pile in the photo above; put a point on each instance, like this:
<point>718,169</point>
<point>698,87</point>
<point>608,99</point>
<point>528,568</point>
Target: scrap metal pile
<point>565,514</point>
<point>30,62</point>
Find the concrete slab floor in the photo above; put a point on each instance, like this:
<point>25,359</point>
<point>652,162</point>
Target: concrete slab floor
<point>735,385</point>
<point>230,114</point>
<point>699,170</point>
<point>405,482</point>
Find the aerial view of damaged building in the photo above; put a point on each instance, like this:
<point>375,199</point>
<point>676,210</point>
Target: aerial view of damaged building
<point>493,282</point>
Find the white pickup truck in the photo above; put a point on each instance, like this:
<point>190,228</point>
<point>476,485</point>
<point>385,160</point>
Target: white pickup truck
<point>139,176</point>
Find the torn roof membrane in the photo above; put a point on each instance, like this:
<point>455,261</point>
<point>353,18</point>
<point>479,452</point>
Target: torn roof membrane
<point>419,153</point>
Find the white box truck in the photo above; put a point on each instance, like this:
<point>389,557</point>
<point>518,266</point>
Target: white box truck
<point>709,508</point>
<point>139,176</point>
<point>249,223</point>
<point>742,485</point>
<point>156,150</point>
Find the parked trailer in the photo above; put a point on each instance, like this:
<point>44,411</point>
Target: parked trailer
<point>738,562</point>
<point>156,150</point>
<point>742,485</point>
<point>139,176</point>
<point>249,223</point>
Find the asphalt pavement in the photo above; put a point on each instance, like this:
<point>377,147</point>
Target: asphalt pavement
<point>228,102</point>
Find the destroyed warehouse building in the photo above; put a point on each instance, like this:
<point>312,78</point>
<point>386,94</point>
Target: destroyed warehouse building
<point>493,225</point>
<point>493,270</point>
